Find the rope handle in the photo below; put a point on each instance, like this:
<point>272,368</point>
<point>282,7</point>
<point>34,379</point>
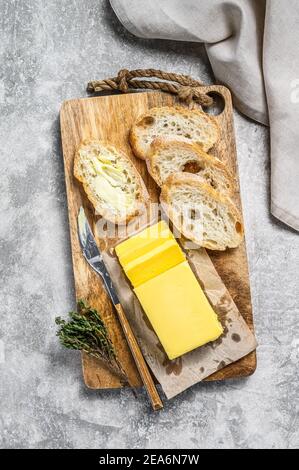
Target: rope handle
<point>186,88</point>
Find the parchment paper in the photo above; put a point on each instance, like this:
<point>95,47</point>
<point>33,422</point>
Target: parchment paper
<point>179,374</point>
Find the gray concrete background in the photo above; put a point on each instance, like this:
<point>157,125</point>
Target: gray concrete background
<point>49,50</point>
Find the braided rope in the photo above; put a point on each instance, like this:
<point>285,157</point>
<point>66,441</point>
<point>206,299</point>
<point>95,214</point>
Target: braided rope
<point>186,88</point>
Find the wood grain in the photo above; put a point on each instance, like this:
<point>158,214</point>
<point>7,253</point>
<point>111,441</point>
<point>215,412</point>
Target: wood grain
<point>110,118</point>
<point>142,367</point>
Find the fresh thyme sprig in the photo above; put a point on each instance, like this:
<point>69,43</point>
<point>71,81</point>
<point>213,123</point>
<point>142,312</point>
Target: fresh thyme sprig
<point>87,332</point>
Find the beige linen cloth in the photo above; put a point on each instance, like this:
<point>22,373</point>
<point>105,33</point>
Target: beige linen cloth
<point>253,47</point>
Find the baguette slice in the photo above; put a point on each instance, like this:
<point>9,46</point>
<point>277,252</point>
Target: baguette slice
<point>171,156</point>
<point>200,213</point>
<point>110,180</point>
<point>173,122</point>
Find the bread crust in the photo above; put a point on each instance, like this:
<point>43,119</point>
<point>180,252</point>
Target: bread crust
<point>133,134</point>
<point>142,198</point>
<point>199,154</point>
<point>177,179</point>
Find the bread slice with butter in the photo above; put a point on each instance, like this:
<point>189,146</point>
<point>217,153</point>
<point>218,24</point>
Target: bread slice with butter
<point>173,122</point>
<point>200,213</point>
<point>110,180</point>
<point>172,156</point>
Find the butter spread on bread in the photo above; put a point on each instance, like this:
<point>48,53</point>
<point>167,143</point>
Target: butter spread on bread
<point>110,180</point>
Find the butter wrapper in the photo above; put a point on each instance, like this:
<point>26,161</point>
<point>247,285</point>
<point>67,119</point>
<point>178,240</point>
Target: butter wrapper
<point>178,375</point>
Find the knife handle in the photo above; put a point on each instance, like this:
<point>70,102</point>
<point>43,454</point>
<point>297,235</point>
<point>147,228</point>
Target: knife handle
<point>139,360</point>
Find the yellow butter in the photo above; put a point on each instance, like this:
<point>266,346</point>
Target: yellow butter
<point>178,310</point>
<point>154,262</point>
<point>145,247</point>
<point>142,242</point>
<point>168,290</point>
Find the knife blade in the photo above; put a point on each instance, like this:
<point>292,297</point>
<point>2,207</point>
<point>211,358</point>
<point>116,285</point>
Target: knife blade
<point>93,255</point>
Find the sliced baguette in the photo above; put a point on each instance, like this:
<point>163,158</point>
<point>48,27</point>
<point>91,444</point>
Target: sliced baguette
<point>173,122</point>
<point>110,180</point>
<point>200,213</point>
<point>172,156</point>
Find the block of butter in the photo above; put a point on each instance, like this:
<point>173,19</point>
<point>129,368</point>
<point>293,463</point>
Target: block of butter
<point>140,244</point>
<point>154,262</point>
<point>168,291</point>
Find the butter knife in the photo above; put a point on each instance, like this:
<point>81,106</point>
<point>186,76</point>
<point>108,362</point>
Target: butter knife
<point>93,256</point>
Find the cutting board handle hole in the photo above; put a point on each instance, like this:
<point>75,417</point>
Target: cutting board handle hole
<point>218,106</point>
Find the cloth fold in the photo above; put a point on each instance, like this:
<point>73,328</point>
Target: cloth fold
<point>253,49</point>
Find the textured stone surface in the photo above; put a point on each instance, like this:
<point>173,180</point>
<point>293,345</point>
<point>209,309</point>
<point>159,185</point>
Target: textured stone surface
<point>49,50</point>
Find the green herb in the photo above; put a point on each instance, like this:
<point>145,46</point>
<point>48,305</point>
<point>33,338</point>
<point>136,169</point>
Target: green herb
<point>87,332</point>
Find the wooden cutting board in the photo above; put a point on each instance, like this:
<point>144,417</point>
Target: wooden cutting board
<point>110,118</point>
